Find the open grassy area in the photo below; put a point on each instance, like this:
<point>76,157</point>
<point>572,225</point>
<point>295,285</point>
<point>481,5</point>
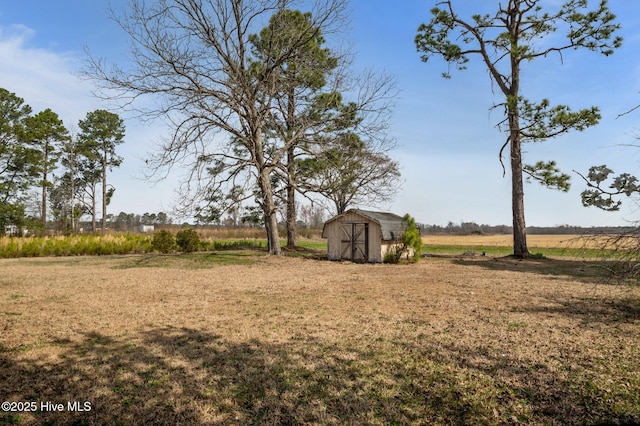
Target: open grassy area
<point>555,246</point>
<point>240,338</point>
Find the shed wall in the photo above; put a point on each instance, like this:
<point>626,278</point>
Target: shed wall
<point>335,235</point>
<point>389,246</point>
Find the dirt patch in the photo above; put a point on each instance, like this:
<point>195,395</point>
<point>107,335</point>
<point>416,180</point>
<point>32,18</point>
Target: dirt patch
<point>293,340</point>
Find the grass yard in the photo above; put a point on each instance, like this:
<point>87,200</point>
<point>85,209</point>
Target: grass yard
<point>241,338</point>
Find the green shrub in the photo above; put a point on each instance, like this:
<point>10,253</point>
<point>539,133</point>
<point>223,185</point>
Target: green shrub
<point>410,243</point>
<point>10,247</point>
<point>188,240</point>
<point>391,257</point>
<point>75,245</point>
<point>32,247</point>
<point>411,239</point>
<point>163,241</point>
<point>206,244</point>
<point>244,244</point>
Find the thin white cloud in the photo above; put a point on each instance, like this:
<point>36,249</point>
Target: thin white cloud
<point>43,78</point>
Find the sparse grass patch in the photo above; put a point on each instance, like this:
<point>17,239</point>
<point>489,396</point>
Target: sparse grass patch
<point>314,244</point>
<point>201,260</point>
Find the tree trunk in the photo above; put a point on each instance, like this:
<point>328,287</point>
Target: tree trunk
<point>44,201</point>
<point>268,205</point>
<point>93,208</point>
<point>291,198</point>
<point>520,249</point>
<point>44,188</point>
<point>73,194</point>
<point>269,210</point>
<point>104,192</point>
<point>291,170</point>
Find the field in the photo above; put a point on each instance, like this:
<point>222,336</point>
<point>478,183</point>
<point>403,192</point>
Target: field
<point>503,240</point>
<point>236,337</point>
<point>563,246</point>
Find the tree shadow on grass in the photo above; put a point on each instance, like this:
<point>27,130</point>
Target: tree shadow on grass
<point>619,308</point>
<point>593,310</point>
<point>571,393</point>
<point>183,376</point>
<point>197,260</point>
<point>586,271</point>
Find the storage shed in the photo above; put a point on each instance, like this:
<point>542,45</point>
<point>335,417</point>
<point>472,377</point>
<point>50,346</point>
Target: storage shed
<point>361,235</point>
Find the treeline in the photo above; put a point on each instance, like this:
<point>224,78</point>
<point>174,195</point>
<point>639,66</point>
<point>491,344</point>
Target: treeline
<point>127,222</point>
<point>471,228</point>
<point>49,175</point>
<point>309,217</point>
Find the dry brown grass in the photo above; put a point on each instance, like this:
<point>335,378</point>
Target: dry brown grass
<point>299,341</point>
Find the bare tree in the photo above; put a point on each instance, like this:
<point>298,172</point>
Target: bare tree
<point>349,170</point>
<point>195,59</point>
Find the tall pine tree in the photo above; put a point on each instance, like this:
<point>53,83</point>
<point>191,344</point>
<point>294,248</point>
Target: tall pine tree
<point>521,31</point>
<point>101,132</point>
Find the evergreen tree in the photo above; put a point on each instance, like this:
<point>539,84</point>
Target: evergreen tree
<point>300,106</point>
<point>46,133</point>
<point>101,132</point>
<point>519,32</point>
<point>17,159</point>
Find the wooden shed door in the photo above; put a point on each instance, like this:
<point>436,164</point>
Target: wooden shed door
<point>355,241</point>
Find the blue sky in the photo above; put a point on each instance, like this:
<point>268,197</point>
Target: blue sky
<point>448,143</point>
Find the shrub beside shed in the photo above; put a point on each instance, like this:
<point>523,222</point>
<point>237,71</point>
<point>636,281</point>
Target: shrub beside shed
<point>362,235</point>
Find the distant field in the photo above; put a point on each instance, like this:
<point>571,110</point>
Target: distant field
<point>555,245</point>
<point>542,241</point>
<point>501,245</point>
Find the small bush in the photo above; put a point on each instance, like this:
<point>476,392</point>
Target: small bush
<point>163,241</point>
<point>391,257</point>
<point>95,245</point>
<point>188,240</point>
<point>410,242</point>
<point>411,239</point>
<point>245,244</point>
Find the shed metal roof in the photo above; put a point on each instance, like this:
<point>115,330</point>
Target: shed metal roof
<point>391,224</point>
